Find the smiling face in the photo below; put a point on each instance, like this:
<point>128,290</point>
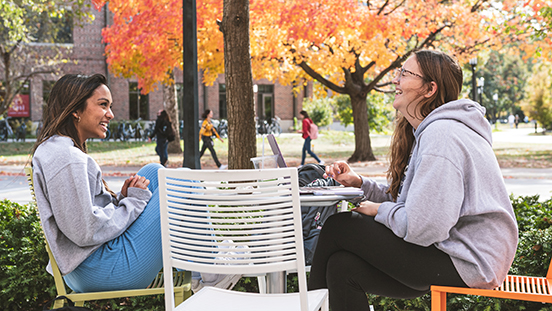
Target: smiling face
<point>409,90</point>
<point>95,117</point>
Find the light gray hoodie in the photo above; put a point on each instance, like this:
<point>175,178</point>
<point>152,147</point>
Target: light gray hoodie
<point>453,195</point>
<point>77,214</point>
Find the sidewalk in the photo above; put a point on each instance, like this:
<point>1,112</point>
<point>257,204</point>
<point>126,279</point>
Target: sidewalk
<point>519,181</point>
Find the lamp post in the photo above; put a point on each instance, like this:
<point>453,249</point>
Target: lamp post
<point>495,98</point>
<point>473,63</point>
<point>190,89</point>
<point>480,90</point>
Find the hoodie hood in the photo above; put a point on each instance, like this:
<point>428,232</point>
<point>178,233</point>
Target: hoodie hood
<point>464,111</point>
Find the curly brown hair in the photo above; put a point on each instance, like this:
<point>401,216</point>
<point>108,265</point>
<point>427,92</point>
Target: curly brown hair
<point>446,73</point>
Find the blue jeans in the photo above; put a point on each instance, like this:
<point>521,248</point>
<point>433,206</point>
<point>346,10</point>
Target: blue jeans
<point>307,148</point>
<point>133,259</point>
<point>162,150</point>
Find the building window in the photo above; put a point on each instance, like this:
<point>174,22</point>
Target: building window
<point>138,103</point>
<point>46,88</point>
<point>265,101</point>
<point>223,108</point>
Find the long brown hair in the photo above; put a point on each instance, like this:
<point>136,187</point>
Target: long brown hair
<point>69,94</point>
<point>445,72</point>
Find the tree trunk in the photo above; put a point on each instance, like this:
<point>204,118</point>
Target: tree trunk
<point>169,104</point>
<point>242,142</point>
<point>363,145</point>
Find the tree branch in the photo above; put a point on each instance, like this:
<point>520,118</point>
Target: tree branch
<point>327,83</point>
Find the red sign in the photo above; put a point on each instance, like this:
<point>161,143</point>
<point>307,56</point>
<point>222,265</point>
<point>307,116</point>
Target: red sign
<point>20,107</point>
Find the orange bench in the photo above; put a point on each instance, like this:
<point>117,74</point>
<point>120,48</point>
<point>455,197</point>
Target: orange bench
<point>528,288</point>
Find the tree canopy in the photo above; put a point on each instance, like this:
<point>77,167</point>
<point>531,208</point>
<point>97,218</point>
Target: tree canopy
<point>349,46</point>
<point>34,21</point>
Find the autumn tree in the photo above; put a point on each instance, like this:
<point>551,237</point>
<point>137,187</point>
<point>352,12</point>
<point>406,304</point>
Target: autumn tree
<point>505,75</point>
<point>538,102</point>
<point>239,84</point>
<point>352,47</point>
<point>528,23</point>
<point>145,41</point>
<point>34,21</point>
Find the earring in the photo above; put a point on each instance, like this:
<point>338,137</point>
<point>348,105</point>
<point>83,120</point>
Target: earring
<point>78,119</point>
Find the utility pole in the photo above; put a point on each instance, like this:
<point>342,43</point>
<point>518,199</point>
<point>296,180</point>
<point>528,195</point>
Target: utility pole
<point>473,63</point>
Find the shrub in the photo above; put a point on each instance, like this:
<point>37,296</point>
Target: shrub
<point>24,282</point>
<point>320,110</point>
<point>380,111</point>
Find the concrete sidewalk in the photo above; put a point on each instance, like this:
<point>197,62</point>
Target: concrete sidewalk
<point>519,181</point>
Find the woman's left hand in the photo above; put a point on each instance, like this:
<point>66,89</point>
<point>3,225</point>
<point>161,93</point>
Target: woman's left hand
<point>134,181</point>
<point>367,208</point>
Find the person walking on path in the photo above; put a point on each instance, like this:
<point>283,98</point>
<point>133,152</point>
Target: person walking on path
<point>307,122</point>
<point>162,125</point>
<point>444,219</point>
<point>205,134</point>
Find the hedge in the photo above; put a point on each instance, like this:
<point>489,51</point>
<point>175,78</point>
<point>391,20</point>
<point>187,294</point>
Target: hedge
<point>25,285</point>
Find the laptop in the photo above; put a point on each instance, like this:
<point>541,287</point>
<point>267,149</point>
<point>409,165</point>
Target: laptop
<point>326,190</point>
<point>276,150</point>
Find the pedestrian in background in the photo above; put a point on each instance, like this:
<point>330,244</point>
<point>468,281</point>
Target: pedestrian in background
<point>511,120</point>
<point>162,125</point>
<point>205,135</point>
<point>307,122</point>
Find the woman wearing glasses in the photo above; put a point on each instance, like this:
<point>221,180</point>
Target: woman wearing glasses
<point>444,219</point>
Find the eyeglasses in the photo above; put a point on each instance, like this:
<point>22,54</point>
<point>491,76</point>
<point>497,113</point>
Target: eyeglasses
<point>401,72</point>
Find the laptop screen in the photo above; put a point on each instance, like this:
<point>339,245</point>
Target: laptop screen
<point>276,150</point>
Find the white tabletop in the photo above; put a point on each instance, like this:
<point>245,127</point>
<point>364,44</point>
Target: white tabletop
<point>323,200</point>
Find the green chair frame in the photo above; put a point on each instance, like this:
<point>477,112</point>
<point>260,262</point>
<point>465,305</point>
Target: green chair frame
<point>181,279</point>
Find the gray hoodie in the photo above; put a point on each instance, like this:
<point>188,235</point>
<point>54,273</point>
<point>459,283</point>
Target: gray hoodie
<point>453,195</point>
<point>77,214</point>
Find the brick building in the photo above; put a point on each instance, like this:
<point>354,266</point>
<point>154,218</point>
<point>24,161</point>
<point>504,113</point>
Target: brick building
<point>87,57</point>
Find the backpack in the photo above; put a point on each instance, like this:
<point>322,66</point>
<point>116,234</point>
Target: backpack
<point>313,217</point>
<point>168,131</point>
<point>313,131</point>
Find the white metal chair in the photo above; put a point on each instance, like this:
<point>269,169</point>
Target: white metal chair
<point>256,212</point>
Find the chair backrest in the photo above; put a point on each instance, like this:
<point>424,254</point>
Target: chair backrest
<point>60,284</point>
<point>231,222</point>
<point>549,273</point>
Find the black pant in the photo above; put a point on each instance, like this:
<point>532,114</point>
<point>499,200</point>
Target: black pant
<point>161,150</point>
<point>357,255</point>
<point>208,144</point>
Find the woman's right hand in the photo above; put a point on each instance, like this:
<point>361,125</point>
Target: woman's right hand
<point>134,181</point>
<point>342,172</point>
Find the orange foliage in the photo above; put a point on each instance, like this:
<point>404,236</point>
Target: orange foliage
<point>525,22</point>
<point>331,36</point>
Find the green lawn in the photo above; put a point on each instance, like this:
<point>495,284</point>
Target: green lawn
<point>330,146</point>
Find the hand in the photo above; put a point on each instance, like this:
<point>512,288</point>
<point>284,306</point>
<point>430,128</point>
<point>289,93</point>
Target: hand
<point>222,140</point>
<point>367,208</point>
<point>342,172</point>
<point>134,181</point>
